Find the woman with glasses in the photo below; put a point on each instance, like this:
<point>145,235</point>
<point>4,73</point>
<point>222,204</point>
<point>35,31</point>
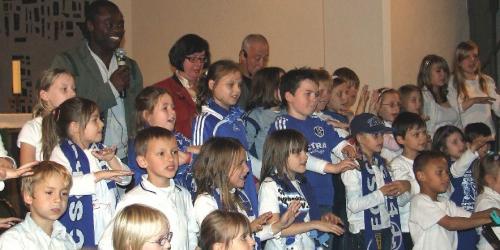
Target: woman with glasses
<point>190,56</point>
<point>139,227</point>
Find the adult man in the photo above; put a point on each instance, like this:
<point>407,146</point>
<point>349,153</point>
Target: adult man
<point>100,77</point>
<point>254,55</point>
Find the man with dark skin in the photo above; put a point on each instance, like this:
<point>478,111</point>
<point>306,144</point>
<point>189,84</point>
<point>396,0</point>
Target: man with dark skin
<point>103,76</point>
<point>253,56</point>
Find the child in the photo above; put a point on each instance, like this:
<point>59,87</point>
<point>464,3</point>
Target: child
<point>139,227</point>
<point>284,186</point>
<point>352,79</point>
<point>487,175</point>
<point>262,108</point>
<point>155,107</point>
<point>220,170</point>
<point>299,91</point>
<point>388,107</point>
<point>220,116</point>
<point>46,194</point>
<point>55,87</point>
<point>95,169</point>
<point>472,93</point>
<point>157,151</point>
<point>410,133</point>
<point>411,99</point>
<point>433,81</point>
<point>226,230</point>
<point>325,88</point>
<point>338,106</point>
<point>464,187</point>
<point>475,132</point>
<point>372,207</point>
<point>434,219</point>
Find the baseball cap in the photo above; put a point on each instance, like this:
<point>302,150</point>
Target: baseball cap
<point>368,123</point>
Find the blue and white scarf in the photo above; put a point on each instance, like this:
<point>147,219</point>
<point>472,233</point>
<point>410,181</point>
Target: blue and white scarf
<point>79,217</point>
<point>372,216</point>
<point>287,194</point>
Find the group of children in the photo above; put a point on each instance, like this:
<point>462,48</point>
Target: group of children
<point>300,168</point>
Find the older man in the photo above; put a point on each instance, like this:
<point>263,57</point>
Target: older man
<point>254,55</point>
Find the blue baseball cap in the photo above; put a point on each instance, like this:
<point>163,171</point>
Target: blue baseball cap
<point>368,123</point>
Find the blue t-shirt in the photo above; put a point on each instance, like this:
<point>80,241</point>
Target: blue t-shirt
<point>214,120</point>
<point>322,139</point>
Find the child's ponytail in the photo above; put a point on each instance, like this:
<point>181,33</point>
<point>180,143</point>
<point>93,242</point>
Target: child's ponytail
<point>49,134</point>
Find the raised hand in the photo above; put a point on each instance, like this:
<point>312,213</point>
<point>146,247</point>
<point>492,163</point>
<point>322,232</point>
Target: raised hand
<point>289,216</point>
<point>9,222</point>
<point>121,78</point>
<point>10,173</point>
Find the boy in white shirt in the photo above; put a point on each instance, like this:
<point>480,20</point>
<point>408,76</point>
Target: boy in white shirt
<point>157,152</point>
<point>46,194</point>
<point>411,134</point>
<point>435,219</point>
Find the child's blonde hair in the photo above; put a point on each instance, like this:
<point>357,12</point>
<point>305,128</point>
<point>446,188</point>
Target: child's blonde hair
<point>41,172</point>
<point>222,227</point>
<point>145,102</point>
<point>48,77</point>
<point>135,225</point>
<point>461,53</point>
<point>212,169</point>
<point>489,165</point>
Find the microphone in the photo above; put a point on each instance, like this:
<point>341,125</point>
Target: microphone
<point>121,60</point>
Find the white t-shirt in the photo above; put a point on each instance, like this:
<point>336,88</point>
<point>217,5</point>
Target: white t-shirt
<point>31,134</point>
<point>424,228</point>
<point>476,112</point>
<point>438,115</point>
<point>487,199</point>
<point>402,169</point>
<point>268,202</point>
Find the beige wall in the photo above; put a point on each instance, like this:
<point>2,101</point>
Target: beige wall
<point>382,40</point>
<point>424,27</point>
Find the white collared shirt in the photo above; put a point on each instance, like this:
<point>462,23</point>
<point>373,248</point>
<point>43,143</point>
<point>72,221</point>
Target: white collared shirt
<point>489,198</point>
<point>185,84</point>
<point>173,201</point>
<point>28,235</point>
<point>116,126</point>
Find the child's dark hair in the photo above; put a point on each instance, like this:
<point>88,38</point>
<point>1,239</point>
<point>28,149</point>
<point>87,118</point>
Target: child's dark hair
<point>406,121</point>
<point>265,83</point>
<point>337,81</point>
<point>291,80</point>
<point>55,125</point>
<point>146,101</point>
<point>212,169</point>
<point>424,77</point>
<point>489,165</point>
<point>222,227</point>
<point>475,130</point>
<point>278,146</point>
<point>347,75</point>
<point>215,72</point>
<point>406,90</point>
<point>440,136</point>
<point>424,158</point>
<point>146,135</point>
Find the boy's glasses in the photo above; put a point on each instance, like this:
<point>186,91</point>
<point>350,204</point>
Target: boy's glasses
<point>163,239</point>
<point>195,59</point>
